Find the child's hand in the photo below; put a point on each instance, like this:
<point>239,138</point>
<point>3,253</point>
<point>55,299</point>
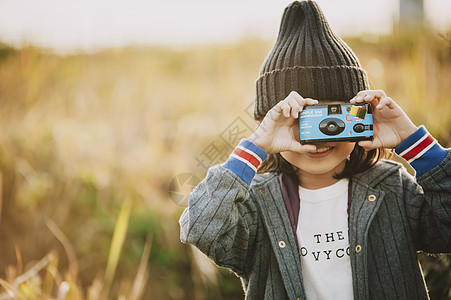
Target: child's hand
<point>278,130</point>
<point>391,124</point>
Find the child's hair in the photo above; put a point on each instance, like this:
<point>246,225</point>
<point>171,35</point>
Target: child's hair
<point>359,161</point>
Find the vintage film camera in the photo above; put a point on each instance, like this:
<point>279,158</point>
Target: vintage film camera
<point>336,123</point>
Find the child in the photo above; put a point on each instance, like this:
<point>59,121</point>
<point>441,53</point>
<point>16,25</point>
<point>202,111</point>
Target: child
<point>327,221</point>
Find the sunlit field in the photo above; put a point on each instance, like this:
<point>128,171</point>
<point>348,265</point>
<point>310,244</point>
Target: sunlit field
<point>99,151</point>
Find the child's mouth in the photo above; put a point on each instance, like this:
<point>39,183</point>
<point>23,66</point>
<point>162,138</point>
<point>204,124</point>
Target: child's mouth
<point>323,149</point>
<point>320,152</point>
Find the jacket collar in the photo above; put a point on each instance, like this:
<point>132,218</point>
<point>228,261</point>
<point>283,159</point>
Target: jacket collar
<point>377,173</point>
<point>267,192</point>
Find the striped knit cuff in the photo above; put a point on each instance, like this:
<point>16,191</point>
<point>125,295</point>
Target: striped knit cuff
<point>421,151</point>
<point>245,160</point>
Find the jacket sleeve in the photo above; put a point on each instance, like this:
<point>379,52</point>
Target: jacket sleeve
<point>429,197</point>
<point>220,218</point>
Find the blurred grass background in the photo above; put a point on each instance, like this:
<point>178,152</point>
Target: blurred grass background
<point>91,144</point>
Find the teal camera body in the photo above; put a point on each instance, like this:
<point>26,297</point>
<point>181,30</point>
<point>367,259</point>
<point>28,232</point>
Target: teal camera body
<point>348,122</point>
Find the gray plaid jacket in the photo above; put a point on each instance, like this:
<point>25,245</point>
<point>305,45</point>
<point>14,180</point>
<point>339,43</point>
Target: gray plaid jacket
<point>392,216</point>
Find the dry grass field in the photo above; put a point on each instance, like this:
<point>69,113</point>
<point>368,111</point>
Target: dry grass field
<point>98,150</point>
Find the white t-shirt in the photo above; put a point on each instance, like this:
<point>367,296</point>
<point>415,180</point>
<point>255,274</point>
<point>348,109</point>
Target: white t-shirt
<point>322,234</point>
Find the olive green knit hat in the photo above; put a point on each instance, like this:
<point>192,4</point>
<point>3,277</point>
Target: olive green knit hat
<point>310,59</point>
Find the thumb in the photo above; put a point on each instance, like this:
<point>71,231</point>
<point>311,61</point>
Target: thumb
<point>298,147</point>
<point>368,145</point>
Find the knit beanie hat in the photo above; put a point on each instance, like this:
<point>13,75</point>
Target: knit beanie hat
<point>310,59</point>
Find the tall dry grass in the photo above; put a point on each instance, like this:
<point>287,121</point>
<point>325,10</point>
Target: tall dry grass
<point>90,142</point>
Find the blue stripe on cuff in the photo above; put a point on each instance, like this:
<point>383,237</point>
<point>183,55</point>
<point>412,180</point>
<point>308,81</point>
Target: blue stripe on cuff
<point>428,160</point>
<point>240,168</point>
<point>254,148</point>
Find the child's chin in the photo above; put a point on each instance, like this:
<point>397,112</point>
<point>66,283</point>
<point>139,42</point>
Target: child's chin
<point>319,167</point>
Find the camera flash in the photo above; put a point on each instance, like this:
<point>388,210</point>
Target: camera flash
<point>358,111</point>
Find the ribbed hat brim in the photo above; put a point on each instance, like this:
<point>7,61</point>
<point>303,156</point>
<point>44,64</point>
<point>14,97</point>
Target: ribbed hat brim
<point>334,83</point>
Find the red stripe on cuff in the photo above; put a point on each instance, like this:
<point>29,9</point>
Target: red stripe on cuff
<point>418,148</point>
<point>247,156</point>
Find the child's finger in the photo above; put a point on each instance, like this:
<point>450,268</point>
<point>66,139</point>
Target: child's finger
<point>286,108</point>
<point>295,111</point>
<point>359,97</point>
<point>278,107</point>
<point>386,102</point>
<point>296,102</point>
<point>282,107</point>
<point>293,102</point>
<point>367,145</point>
<point>368,96</point>
<point>278,110</point>
<point>301,103</point>
<point>309,101</point>
<point>303,148</point>
<point>379,94</point>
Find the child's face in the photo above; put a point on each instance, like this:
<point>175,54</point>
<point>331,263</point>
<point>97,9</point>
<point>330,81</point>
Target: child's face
<point>328,159</point>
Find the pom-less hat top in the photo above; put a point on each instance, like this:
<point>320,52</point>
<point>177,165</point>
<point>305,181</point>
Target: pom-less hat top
<point>310,59</point>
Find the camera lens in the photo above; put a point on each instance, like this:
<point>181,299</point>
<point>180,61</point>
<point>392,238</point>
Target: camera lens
<point>332,126</point>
